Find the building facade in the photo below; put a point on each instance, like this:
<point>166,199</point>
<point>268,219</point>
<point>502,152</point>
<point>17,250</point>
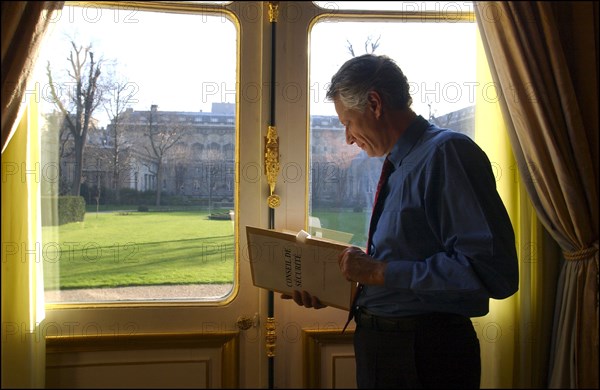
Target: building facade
<point>189,158</point>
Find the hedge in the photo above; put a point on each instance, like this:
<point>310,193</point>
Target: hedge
<point>70,209</point>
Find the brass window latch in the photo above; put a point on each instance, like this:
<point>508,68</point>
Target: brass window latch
<point>272,165</point>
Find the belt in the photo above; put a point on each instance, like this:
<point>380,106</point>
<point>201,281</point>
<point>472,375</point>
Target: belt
<point>367,320</point>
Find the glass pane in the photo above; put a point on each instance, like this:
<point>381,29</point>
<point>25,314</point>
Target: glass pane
<point>439,62</point>
<point>140,191</point>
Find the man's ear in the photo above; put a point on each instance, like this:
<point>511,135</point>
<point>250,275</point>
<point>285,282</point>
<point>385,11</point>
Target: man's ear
<point>375,103</point>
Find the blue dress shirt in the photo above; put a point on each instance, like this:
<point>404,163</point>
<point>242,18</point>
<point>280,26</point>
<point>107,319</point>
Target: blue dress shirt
<point>443,229</point>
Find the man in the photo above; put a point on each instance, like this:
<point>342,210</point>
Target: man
<point>440,243</point>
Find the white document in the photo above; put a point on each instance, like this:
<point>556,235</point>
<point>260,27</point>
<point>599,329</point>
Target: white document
<point>284,261</point>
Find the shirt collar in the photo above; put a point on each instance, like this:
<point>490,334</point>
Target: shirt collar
<point>407,140</point>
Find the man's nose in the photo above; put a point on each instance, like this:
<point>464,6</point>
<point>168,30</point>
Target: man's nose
<point>349,138</point>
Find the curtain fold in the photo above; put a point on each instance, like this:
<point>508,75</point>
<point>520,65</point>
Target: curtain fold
<point>23,341</point>
<point>515,335</point>
<point>24,24</point>
<point>544,62</point>
<point>23,337</point>
<point>498,345</point>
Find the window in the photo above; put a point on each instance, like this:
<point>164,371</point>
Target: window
<point>438,58</point>
<point>136,218</point>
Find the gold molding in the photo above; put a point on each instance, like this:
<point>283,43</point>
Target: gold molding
<point>273,11</point>
<point>271,337</point>
<point>206,363</point>
<point>272,164</point>
<point>312,342</point>
<point>336,360</point>
<point>228,341</point>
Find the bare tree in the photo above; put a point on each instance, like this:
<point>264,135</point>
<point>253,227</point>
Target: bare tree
<point>370,46</point>
<point>78,105</point>
<point>162,137</point>
<point>181,157</point>
<point>120,96</point>
<point>64,146</point>
<point>350,48</point>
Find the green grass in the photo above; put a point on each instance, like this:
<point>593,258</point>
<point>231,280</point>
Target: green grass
<point>113,249</point>
<point>347,221</point>
<point>119,248</point>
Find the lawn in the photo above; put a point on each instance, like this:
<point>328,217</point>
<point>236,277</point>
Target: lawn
<point>114,249</point>
<point>347,221</point>
<point>131,248</point>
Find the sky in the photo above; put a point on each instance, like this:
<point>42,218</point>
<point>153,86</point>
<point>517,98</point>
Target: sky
<point>176,74</point>
<point>437,58</point>
<point>198,67</point>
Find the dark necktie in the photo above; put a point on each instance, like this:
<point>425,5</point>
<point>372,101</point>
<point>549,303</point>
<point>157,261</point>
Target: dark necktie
<point>386,170</point>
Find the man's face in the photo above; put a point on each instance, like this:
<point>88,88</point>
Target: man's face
<point>363,128</point>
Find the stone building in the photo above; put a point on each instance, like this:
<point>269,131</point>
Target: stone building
<point>191,156</point>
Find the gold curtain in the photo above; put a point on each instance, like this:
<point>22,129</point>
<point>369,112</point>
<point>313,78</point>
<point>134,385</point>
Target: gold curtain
<point>515,335</point>
<point>544,62</point>
<point>23,341</point>
<point>496,342</point>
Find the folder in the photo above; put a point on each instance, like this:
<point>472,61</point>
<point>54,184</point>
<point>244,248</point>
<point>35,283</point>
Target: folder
<point>284,261</point>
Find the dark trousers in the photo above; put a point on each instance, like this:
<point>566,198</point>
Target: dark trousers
<point>429,351</point>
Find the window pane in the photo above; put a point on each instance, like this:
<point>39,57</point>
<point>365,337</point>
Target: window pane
<point>139,197</point>
<point>439,61</point>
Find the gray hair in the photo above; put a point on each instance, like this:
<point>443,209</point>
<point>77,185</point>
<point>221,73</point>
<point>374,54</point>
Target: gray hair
<point>361,75</point>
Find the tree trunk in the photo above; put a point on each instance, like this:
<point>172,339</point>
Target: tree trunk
<point>117,179</point>
<point>158,182</point>
<point>78,169</point>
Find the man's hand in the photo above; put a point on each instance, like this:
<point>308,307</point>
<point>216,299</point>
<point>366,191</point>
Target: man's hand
<point>304,299</point>
<point>357,266</point>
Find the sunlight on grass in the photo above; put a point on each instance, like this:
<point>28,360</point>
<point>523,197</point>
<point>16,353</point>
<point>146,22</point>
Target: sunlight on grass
<point>118,249</point>
<point>349,221</point>
<point>140,248</point>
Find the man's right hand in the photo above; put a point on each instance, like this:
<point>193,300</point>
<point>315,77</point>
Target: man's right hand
<point>304,299</point>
